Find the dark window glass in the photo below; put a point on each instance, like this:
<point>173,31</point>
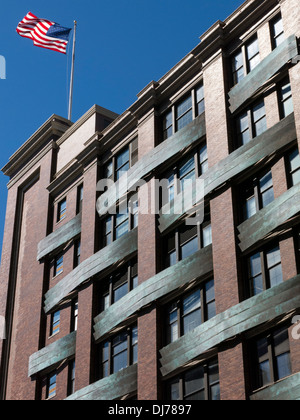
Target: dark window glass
<point>119,352</point>
<point>71,378</point>
<point>293,167</point>
<point>62,210</point>
<point>277,31</point>
<point>58,265</point>
<point>272,358</point>
<point>79,199</point>
<point>257,194</point>
<point>55,323</point>
<point>51,385</point>
<point>200,383</point>
<point>286,106</point>
<point>168,125</point>
<point>184,113</point>
<point>190,311</point>
<point>264,270</point>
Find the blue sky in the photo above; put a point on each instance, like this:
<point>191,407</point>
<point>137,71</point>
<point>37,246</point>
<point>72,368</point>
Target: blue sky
<point>121,47</point>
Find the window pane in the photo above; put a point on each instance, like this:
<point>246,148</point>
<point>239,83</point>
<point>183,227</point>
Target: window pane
<point>250,208</point>
<point>184,113</point>
<point>174,391</point>
<point>243,129</point>
<point>215,392</point>
<point>256,285</point>
<point>207,236</point>
<point>253,54</point>
<point>200,100</point>
<point>238,67</point>
<point>189,248</point>
<point>276,277</point>
<point>294,160</point>
<point>203,160</point>
<point>192,321</point>
<point>284,368</point>
<point>122,229</point>
<point>273,257</point>
<point>120,292</point>
<point>194,381</point>
<point>168,125</point>
<point>264,374</point>
<point>259,118</point>
<point>120,361</point>
<point>184,106</point>
<point>278,26</point>
<point>122,158</point>
<point>255,264</point>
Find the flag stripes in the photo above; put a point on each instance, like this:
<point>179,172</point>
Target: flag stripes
<point>36,29</point>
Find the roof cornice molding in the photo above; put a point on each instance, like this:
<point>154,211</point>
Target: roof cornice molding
<point>54,126</point>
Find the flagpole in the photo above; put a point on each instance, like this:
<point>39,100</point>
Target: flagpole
<point>72,73</point>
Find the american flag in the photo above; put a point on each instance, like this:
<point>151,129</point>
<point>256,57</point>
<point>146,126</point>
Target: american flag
<point>44,33</point>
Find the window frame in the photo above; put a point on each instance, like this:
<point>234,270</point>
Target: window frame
<point>179,230</point>
<point>55,324</point>
<point>252,123</point>
<point>270,356</point>
<point>49,394</point>
<point>243,51</point>
<point>254,184</point>
<point>79,200</point>
<point>265,269</point>
<point>174,173</point>
<point>107,286</point>
<point>171,113</point>
<point>274,37</point>
<point>181,380</point>
<point>178,304</point>
<point>108,237</point>
<point>71,377</point>
<point>132,148</point>
<point>61,211</point>
<point>77,252</point>
<point>130,349</point>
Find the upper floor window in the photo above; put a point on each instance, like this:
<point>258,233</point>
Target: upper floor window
<point>251,123</point>
<point>58,265</point>
<point>55,323</point>
<point>264,270</point>
<point>245,60</point>
<point>190,311</point>
<point>293,167</point>
<point>277,31</point>
<point>190,168</point>
<point>186,240</point>
<point>119,352</point>
<point>62,210</point>
<point>71,378</point>
<point>79,199</point>
<point>74,315</point>
<point>51,386</point>
<point>286,106</point>
<point>183,112</point>
<point>77,252</point>
<point>121,162</point>
<point>118,284</point>
<point>257,194</point>
<point>200,383</point>
<point>117,225</point>
<point>271,361</point>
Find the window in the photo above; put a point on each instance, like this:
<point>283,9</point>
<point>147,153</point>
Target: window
<point>271,358</point>
<point>71,378</point>
<point>251,123</point>
<point>293,167</point>
<point>62,210</point>
<point>183,112</point>
<point>77,252</point>
<point>200,383</point>
<point>190,168</point>
<point>286,106</point>
<point>264,270</point>
<point>74,315</point>
<point>55,323</point>
<point>257,194</point>
<point>185,241</point>
<point>277,31</point>
<point>119,352</point>
<point>245,60</point>
<point>79,199</point>
<point>51,386</point>
<point>58,265</point>
<point>117,225</point>
<point>118,284</point>
<point>190,311</point>
<point>121,162</point>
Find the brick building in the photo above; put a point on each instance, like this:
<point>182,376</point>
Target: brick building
<point>143,305</point>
